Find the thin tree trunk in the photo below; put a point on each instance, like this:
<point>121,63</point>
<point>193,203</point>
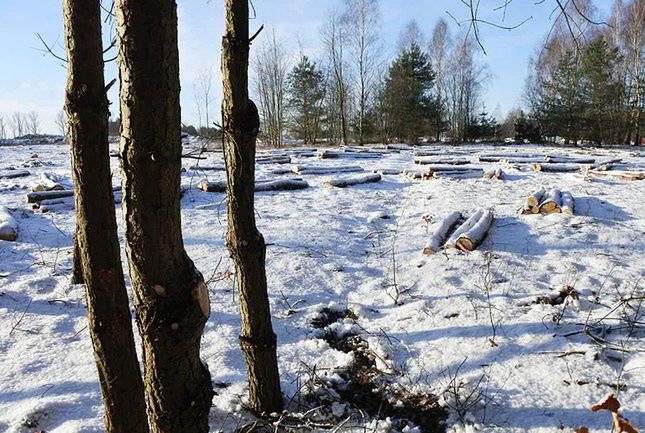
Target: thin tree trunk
<point>171,298</point>
<point>245,243</point>
<point>77,267</point>
<point>96,243</point>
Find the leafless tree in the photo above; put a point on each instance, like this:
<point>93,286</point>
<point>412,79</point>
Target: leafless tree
<point>240,125</point>
<point>33,122</point>
<point>334,37</point>
<point>271,70</point>
<point>412,34</point>
<point>634,37</point>
<point>17,124</point>
<point>3,128</point>
<point>61,123</point>
<point>363,17</point>
<point>203,87</point>
<point>439,51</point>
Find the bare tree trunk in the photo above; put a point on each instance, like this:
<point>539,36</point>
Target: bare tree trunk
<point>77,267</point>
<point>171,298</point>
<point>245,243</point>
<point>96,242</point>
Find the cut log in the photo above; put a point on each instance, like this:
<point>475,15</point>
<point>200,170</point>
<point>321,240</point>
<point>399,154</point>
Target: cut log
<point>568,160</point>
<point>464,227</point>
<point>208,167</point>
<point>261,186</point>
<point>399,147</point>
<point>8,225</point>
<point>35,197</point>
<point>472,238</point>
<point>417,174</point>
<point>606,165</point>
<point>619,174</point>
<point>388,170</point>
<point>568,204</point>
<point>556,168</point>
<point>51,182</point>
<point>312,169</point>
<point>552,202</point>
<point>440,235</point>
<point>273,160</point>
<point>469,173</point>
<point>494,174</point>
<point>435,168</point>
<point>354,180</point>
<point>13,174</point>
<point>448,161</point>
<point>336,154</point>
<point>534,199</point>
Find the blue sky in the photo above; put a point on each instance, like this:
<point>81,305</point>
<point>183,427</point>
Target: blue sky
<point>33,81</point>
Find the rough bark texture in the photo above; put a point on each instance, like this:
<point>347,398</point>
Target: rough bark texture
<point>171,298</point>
<point>108,311</point>
<point>77,267</point>
<point>245,243</point>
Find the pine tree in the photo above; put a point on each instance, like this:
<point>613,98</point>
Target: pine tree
<point>306,86</point>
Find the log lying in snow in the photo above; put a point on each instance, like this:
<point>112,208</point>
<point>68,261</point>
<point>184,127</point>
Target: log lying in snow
<point>568,160</point>
<point>616,174</point>
<point>552,202</point>
<point>273,160</point>
<point>494,174</point>
<point>440,235</point>
<point>12,174</point>
<point>354,180</point>
<point>261,186</point>
<point>386,170</point>
<point>312,169</point>
<point>50,182</point>
<point>208,167</point>
<point>336,154</point>
<point>473,237</point>
<point>448,161</point>
<point>417,174</point>
<point>35,197</point>
<point>556,168</point>
<point>8,225</point>
<point>606,165</point>
<point>568,205</point>
<point>532,205</point>
<point>464,227</point>
<point>399,147</point>
<point>511,159</point>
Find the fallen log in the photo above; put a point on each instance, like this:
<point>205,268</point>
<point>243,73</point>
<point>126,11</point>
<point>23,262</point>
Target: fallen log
<point>448,161</point>
<point>619,174</point>
<point>399,147</point>
<point>532,205</point>
<point>556,168</point>
<point>417,174</point>
<point>35,197</point>
<point>303,169</point>
<point>463,228</point>
<point>440,235</point>
<point>606,165</point>
<point>494,174</point>
<point>261,186</point>
<point>354,180</point>
<point>512,159</point>
<point>273,160</point>
<point>208,167</point>
<point>472,238</point>
<point>8,225</point>
<point>552,202</point>
<point>568,160</point>
<point>388,170</point>
<point>568,204</point>
<point>470,173</point>
<point>50,182</point>
<point>13,174</point>
<point>336,154</point>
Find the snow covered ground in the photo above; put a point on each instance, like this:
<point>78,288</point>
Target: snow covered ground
<point>469,320</point>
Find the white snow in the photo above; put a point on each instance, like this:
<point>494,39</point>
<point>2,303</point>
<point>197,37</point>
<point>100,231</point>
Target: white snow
<point>333,245</point>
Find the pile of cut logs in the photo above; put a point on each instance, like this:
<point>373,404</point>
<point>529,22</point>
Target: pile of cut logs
<point>465,235</point>
<point>548,202</point>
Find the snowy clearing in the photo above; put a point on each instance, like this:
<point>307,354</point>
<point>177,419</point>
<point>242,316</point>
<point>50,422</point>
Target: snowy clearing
<point>503,323</point>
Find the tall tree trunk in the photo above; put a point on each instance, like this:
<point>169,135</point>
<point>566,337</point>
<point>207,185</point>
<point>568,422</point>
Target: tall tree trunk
<point>77,267</point>
<point>245,243</point>
<point>98,249</point>
<point>171,298</point>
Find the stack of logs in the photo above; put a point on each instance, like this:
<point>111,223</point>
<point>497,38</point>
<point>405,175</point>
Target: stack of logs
<point>548,202</point>
<point>465,235</point>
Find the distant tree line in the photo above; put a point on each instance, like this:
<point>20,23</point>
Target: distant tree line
<point>589,85</point>
<point>431,90</point>
<point>19,124</point>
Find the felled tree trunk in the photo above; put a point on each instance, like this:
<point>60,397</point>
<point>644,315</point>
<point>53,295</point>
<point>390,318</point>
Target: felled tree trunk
<point>245,243</point>
<point>473,237</point>
<point>354,180</point>
<point>171,298</point>
<point>552,202</point>
<point>439,236</point>
<point>97,252</point>
<point>8,225</point>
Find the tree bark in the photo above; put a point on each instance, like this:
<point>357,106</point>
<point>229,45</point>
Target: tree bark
<point>77,267</point>
<point>96,243</point>
<point>245,243</point>
<point>171,298</point>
